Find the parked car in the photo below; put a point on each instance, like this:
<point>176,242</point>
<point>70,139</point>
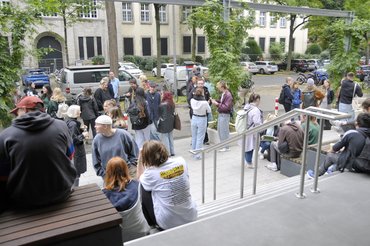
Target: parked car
<point>37,76</point>
<point>362,72</point>
<point>314,64</point>
<point>266,67</point>
<point>163,68</point>
<point>181,76</point>
<point>249,67</point>
<point>297,65</point>
<point>131,68</point>
<point>75,78</point>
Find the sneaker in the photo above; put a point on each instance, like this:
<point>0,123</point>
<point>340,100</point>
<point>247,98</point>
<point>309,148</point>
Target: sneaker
<point>310,174</point>
<point>206,143</point>
<point>272,166</point>
<point>249,165</point>
<point>331,169</point>
<point>224,150</point>
<point>261,156</point>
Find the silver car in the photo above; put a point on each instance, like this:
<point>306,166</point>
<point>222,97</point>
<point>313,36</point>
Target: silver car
<point>266,67</point>
<point>250,67</point>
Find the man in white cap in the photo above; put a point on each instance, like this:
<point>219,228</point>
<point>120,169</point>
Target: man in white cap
<point>111,142</point>
<point>35,158</point>
<point>311,96</point>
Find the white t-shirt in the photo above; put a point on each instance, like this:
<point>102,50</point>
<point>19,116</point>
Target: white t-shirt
<point>170,187</point>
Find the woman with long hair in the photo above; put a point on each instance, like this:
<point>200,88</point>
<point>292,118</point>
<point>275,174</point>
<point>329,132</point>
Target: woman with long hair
<point>329,95</point>
<point>166,197</point>
<point>166,121</point>
<point>89,109</point>
<point>140,117</point>
<point>56,99</point>
<point>47,92</point>
<point>118,119</point>
<point>122,192</point>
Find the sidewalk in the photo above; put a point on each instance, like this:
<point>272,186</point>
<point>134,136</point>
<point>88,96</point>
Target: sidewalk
<point>228,171</point>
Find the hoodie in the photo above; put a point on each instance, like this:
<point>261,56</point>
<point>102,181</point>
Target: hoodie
<point>89,107</point>
<point>35,161</point>
<point>293,134</point>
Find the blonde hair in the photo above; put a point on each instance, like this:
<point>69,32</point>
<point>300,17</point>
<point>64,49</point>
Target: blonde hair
<point>57,95</point>
<point>104,80</point>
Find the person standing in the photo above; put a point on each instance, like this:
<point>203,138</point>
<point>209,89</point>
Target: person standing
<point>224,107</point>
<point>166,121</point>
<point>115,86</point>
<point>297,94</point>
<point>78,135</point>
<point>199,120</point>
<point>56,99</point>
<point>154,99</point>
<point>287,92</point>
<point>111,142</point>
<point>102,94</point>
<point>348,91</point>
<point>131,94</point>
<point>89,109</point>
<point>31,90</point>
<point>35,158</point>
<point>255,118</point>
<point>166,197</point>
<point>311,95</point>
<point>47,92</point>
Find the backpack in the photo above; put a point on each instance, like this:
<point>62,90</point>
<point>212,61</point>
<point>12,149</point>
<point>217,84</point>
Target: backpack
<point>135,115</point>
<point>308,99</point>
<point>281,99</point>
<point>361,164</point>
<point>241,120</point>
<point>62,110</point>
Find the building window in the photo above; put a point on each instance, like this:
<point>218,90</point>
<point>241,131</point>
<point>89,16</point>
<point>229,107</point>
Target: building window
<point>250,38</point>
<point>145,12</point>
<point>186,11</point>
<point>282,22</point>
<point>272,40</point>
<point>272,21</point>
<point>201,44</point>
<point>282,42</point>
<point>163,14</point>
<point>91,46</point>
<point>89,10</point>
<point>127,12</point>
<point>128,46</point>
<point>262,20</point>
<point>186,44</point>
<point>164,46</point>
<point>147,47</point>
<point>262,44</point>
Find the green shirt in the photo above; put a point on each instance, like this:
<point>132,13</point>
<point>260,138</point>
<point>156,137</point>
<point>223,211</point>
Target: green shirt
<point>313,132</point>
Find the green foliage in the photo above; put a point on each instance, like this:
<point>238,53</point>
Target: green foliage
<point>199,59</point>
<point>252,50</point>
<point>98,60</point>
<point>225,40</point>
<point>313,49</point>
<point>325,54</point>
<point>276,51</point>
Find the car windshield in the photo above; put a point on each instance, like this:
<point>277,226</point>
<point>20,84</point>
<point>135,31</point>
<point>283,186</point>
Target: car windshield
<point>130,66</point>
<point>272,63</point>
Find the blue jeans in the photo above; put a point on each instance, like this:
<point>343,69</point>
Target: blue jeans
<point>167,140</point>
<point>265,145</point>
<point>154,135</point>
<point>248,156</point>
<point>347,108</point>
<point>141,136</point>
<point>198,131</point>
<point>223,126</point>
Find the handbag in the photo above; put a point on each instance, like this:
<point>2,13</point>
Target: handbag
<point>177,122</point>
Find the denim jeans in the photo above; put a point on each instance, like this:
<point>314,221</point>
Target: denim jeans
<point>265,145</point>
<point>198,131</point>
<point>330,159</point>
<point>141,136</point>
<point>154,135</point>
<point>167,140</point>
<point>223,126</point>
<point>248,156</point>
<point>347,108</point>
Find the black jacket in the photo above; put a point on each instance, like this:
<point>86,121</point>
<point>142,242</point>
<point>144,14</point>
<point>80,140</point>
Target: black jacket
<point>79,158</point>
<point>288,95</point>
<point>89,107</point>
<point>346,91</point>
<point>166,118</point>
<point>101,96</point>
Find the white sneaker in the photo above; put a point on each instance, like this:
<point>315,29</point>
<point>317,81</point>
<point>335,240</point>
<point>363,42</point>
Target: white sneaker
<point>272,166</point>
<point>224,150</point>
<point>261,156</point>
<point>249,165</point>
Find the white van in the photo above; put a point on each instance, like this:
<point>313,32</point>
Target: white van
<point>182,78</point>
<point>75,78</point>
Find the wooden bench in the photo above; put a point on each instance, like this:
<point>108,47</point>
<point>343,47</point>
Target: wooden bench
<point>87,217</point>
<point>292,166</point>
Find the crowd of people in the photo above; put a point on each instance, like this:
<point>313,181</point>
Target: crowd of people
<point>144,180</point>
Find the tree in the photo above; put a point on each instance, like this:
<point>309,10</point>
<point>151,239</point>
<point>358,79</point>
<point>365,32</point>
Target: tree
<point>252,49</point>
<point>313,49</point>
<point>69,10</point>
<point>16,23</point>
<point>158,37</point>
<point>276,51</point>
<point>112,35</point>
<point>225,40</point>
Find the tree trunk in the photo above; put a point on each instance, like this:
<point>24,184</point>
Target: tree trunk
<point>112,36</point>
<point>290,46</point>
<point>65,39</point>
<point>158,38</point>
<point>193,43</point>
<point>367,55</point>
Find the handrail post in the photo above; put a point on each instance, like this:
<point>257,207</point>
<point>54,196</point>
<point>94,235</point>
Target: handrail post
<point>203,177</point>
<point>300,194</point>
<point>314,189</point>
<point>214,173</point>
<point>242,168</point>
<point>255,160</point>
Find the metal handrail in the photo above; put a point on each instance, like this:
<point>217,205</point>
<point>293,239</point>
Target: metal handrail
<point>319,113</point>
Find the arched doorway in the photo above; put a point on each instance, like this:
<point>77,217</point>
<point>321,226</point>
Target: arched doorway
<point>54,59</point>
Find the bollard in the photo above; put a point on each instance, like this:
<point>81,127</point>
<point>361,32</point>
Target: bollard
<point>276,106</point>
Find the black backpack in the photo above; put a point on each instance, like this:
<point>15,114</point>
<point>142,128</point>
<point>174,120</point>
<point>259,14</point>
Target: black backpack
<point>134,114</point>
<point>361,164</point>
<point>308,99</point>
<point>281,99</point>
